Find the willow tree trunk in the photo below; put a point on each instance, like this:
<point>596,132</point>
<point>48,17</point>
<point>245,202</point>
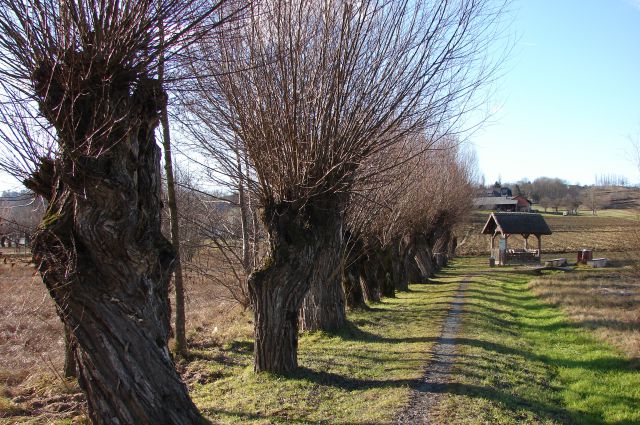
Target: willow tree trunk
<point>352,283</point>
<point>323,308</point>
<point>372,277</point>
<point>300,241</point>
<point>107,266</point>
<point>424,257</point>
<point>370,282</point>
<point>382,261</point>
<point>70,368</point>
<point>411,269</point>
<point>178,281</point>
<point>398,271</point>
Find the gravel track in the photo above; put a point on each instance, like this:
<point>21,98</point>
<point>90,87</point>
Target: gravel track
<point>428,392</point>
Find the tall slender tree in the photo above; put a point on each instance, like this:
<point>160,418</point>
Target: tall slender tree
<point>178,284</point>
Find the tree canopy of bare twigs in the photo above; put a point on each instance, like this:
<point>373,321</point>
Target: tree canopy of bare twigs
<point>312,91</point>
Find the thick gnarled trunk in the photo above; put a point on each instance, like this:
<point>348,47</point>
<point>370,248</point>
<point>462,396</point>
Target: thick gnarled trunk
<point>424,257</point>
<point>398,266</point>
<point>300,240</point>
<point>107,266</point>
<point>354,290</point>
<point>323,307</point>
<point>375,274</point>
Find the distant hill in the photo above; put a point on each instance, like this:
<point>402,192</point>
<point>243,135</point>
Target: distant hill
<point>618,197</point>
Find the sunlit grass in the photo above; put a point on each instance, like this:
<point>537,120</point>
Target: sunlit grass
<point>606,301</point>
<point>523,361</point>
<point>360,375</point>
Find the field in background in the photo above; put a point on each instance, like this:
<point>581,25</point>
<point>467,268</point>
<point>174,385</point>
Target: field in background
<point>609,231</point>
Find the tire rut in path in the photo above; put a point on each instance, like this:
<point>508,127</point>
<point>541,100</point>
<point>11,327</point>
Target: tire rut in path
<point>428,393</point>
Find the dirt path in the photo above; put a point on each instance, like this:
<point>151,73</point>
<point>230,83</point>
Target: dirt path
<point>428,393</point>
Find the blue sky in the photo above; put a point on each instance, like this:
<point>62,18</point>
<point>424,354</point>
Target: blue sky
<point>569,99</point>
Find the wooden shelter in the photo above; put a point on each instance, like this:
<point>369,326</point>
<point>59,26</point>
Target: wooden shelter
<point>501,225</point>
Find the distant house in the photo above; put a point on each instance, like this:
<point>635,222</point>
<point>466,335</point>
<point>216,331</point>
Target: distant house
<point>524,205</point>
<point>495,203</point>
<point>503,203</point>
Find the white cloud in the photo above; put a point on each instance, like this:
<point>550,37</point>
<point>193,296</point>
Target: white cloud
<point>634,3</point>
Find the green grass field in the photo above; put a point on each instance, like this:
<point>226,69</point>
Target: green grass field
<point>361,375</point>
<point>523,361</point>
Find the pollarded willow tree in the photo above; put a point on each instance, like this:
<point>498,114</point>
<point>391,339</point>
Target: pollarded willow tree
<point>312,90</point>
<point>410,213</point>
<point>80,104</point>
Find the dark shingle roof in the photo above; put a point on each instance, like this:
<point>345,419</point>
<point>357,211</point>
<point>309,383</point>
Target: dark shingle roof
<point>516,224</point>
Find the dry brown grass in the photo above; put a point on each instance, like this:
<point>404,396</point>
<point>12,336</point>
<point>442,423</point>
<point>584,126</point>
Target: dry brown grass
<point>32,344</point>
<point>30,332</point>
<point>32,351</point>
<point>604,301</point>
<point>211,314</point>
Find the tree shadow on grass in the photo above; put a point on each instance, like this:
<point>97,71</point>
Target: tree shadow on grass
<point>352,332</point>
<point>513,403</point>
<point>603,364</point>
<point>271,419</point>
<point>347,383</point>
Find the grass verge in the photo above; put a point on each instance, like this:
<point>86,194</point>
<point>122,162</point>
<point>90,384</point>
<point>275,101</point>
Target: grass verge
<point>361,375</point>
<point>523,361</point>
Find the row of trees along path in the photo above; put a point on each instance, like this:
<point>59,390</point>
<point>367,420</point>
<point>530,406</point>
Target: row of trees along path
<point>325,103</point>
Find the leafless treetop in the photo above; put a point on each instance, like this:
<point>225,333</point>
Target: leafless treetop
<point>72,65</point>
<point>313,89</point>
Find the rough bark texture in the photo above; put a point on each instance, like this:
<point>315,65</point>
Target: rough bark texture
<point>351,282</point>
<point>375,274</point>
<point>352,269</point>
<point>412,271</point>
<point>371,277</point>
<point>103,258</point>
<point>323,307</point>
<point>370,286</point>
<point>398,266</point>
<point>424,257</point>
<point>298,241</point>
<point>70,367</point>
